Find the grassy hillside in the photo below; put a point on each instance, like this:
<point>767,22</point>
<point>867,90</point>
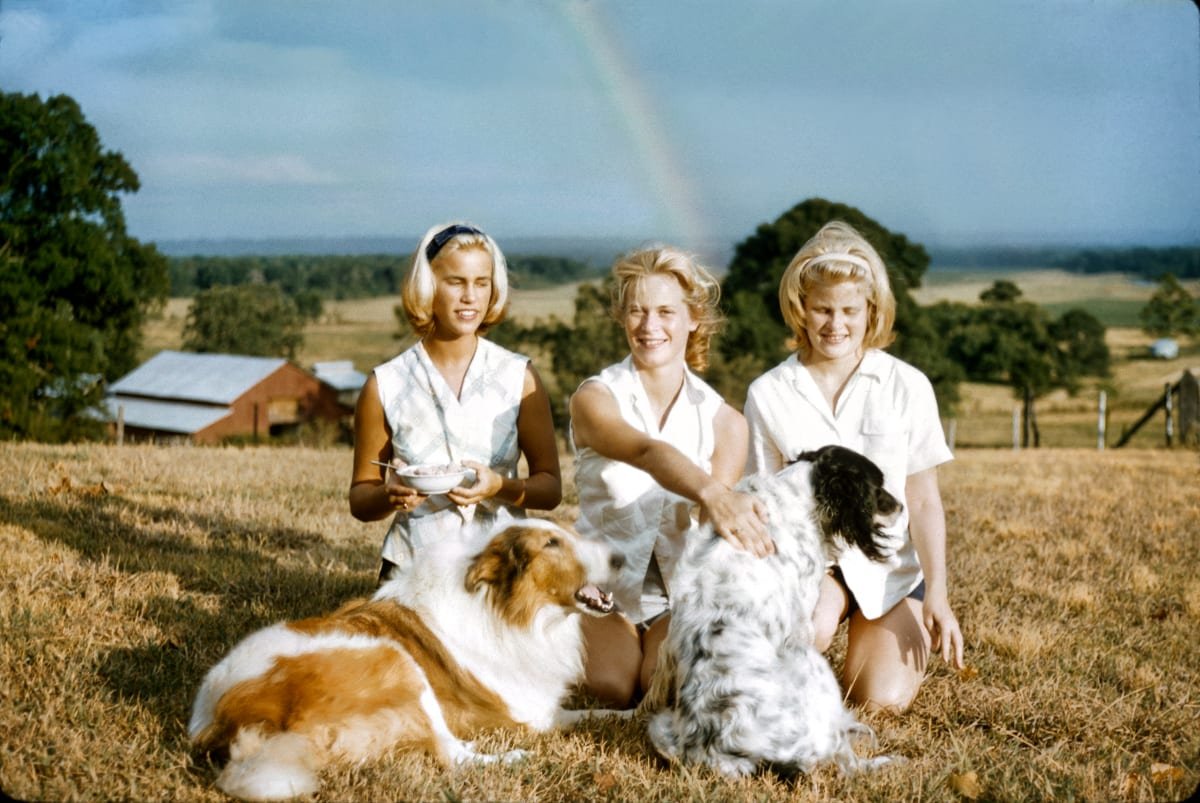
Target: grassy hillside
<point>128,571</point>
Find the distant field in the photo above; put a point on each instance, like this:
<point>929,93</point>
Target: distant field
<point>363,329</point>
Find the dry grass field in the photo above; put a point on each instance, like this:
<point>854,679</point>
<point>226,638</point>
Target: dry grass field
<point>128,571</point>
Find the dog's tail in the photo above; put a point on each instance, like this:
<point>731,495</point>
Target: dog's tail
<point>847,758</point>
<point>278,766</point>
<point>661,693</point>
<point>665,735</point>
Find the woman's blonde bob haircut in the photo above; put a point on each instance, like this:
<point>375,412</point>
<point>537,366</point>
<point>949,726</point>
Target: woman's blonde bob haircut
<point>416,294</point>
<point>837,253</point>
<point>701,293</point>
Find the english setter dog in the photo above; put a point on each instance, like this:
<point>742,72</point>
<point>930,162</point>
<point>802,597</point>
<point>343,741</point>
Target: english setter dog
<point>738,685</point>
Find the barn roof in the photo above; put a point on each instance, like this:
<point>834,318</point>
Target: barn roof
<point>339,374</point>
<point>164,416</point>
<point>188,377</point>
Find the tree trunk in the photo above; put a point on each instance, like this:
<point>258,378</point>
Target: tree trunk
<point>1029,427</point>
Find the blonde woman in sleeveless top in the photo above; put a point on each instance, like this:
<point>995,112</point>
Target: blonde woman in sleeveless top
<point>652,442</point>
<point>454,397</point>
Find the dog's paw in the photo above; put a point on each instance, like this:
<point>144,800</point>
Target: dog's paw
<point>857,764</point>
<point>614,713</point>
<point>513,756</point>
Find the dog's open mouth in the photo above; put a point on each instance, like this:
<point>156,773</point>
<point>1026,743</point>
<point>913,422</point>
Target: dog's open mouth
<point>595,599</point>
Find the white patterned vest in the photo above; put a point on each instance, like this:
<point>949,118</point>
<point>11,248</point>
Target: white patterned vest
<point>625,505</point>
<point>432,425</point>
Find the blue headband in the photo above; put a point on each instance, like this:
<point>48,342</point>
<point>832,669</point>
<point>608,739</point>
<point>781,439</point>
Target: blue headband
<point>446,235</point>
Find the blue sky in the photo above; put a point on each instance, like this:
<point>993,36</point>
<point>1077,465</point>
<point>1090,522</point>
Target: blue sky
<point>955,121</point>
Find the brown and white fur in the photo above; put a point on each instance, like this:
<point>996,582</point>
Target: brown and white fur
<point>480,634</point>
<point>738,685</point>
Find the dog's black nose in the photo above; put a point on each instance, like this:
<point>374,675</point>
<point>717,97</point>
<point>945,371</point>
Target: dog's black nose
<point>616,561</point>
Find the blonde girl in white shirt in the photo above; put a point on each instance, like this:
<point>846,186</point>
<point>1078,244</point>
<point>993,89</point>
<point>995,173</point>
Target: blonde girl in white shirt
<point>839,387</point>
<point>453,397</point>
<point>653,441</point>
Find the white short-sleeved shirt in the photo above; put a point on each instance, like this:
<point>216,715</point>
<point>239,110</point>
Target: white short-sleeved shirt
<point>430,424</point>
<point>887,412</point>
<point>625,505</point>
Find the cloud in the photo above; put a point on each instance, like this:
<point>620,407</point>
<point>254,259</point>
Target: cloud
<point>279,169</point>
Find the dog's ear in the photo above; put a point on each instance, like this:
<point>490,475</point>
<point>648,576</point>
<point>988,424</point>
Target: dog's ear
<point>846,494</point>
<point>499,562</point>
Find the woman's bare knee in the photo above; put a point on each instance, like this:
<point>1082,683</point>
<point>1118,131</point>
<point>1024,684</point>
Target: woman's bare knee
<point>832,603</point>
<point>892,695</point>
<point>823,633</point>
<point>612,691</point>
<point>613,659</point>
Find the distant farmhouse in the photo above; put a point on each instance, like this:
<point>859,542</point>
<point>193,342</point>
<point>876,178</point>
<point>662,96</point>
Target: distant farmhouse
<point>342,377</point>
<point>206,398</point>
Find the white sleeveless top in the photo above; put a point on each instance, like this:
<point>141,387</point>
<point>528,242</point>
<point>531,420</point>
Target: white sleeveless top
<point>431,425</point>
<point>626,506</point>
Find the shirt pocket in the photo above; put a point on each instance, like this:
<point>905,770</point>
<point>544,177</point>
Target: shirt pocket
<point>885,442</point>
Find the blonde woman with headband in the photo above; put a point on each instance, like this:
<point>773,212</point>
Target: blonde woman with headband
<point>653,441</point>
<point>839,387</point>
<point>453,397</point>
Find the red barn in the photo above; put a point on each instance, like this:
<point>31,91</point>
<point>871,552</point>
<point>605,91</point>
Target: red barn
<point>208,397</point>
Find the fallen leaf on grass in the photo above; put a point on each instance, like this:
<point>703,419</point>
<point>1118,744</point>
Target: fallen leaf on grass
<point>1130,786</point>
<point>66,485</point>
<point>1165,773</point>
<point>967,784</point>
<point>604,781</point>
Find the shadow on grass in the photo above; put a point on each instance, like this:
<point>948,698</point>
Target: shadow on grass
<point>238,565</point>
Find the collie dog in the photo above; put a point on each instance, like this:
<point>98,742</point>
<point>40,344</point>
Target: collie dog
<point>480,634</point>
<point>738,685</point>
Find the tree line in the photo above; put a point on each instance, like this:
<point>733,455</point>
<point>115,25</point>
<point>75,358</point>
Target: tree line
<point>346,276</point>
<point>1148,263</point>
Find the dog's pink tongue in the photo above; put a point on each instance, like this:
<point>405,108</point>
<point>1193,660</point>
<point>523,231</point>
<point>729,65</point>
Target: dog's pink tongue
<point>595,598</point>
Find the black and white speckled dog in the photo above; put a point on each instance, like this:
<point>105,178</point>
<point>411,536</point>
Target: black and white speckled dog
<point>738,685</point>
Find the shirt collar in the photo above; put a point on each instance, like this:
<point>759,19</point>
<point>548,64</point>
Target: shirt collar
<point>874,365</point>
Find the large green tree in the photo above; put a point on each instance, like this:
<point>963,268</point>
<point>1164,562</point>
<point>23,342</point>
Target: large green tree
<point>74,286</point>
<point>1171,310</point>
<point>756,336</point>
<point>1007,340</point>
<point>256,319</point>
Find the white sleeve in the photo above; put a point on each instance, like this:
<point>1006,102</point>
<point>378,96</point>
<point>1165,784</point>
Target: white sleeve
<point>764,456</point>
<point>926,440</point>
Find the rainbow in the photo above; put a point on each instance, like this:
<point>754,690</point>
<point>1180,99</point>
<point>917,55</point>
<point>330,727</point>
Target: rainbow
<point>667,182</point>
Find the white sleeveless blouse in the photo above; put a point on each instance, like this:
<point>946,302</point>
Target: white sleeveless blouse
<point>625,505</point>
<point>431,425</point>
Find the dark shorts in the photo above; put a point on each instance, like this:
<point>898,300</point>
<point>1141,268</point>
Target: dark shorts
<point>385,569</point>
<point>917,593</point>
<point>643,626</point>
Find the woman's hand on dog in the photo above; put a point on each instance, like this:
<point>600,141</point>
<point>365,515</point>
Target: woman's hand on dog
<point>741,519</point>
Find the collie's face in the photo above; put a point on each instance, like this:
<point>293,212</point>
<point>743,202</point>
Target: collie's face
<point>532,564</point>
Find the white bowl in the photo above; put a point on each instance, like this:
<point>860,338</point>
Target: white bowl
<point>431,478</point>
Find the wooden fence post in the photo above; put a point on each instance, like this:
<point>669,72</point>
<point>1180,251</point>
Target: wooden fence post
<point>1016,428</point>
<point>1189,409</point>
<point>1169,408</point>
<point>1101,420</point>
<point>120,424</point>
